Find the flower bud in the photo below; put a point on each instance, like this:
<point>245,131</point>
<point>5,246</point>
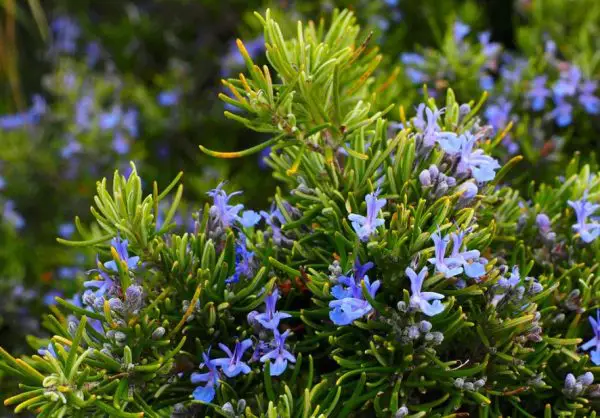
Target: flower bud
<point>425,326</point>
<point>134,298</point>
<point>425,178</point>
<point>401,412</point>
<point>158,333</point>
<point>116,305</point>
<point>434,171</point>
<point>570,381</point>
<point>459,382</point>
<point>586,379</point>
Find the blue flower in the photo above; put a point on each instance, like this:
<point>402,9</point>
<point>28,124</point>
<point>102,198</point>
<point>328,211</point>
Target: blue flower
<point>460,30</point>
<point>490,49</point>
<point>12,216</point>
<point>221,210</point>
<point>232,365</point>
<point>351,304</point>
<point>66,32</point>
<point>595,341</point>
<point>482,167</point>
<point>279,356</point>
<point>249,218</point>
<point>366,226</point>
<point>422,301</point>
<point>104,286</point>
<point>473,265</point>
<point>275,220</point>
<point>48,350</point>
<point>244,260</point>
<point>120,247</point>
<point>411,61</point>
<point>568,82</point>
<point>29,117</point>
<point>538,93</point>
<point>590,103</point>
<point>512,281</point>
<point>449,267</point>
<point>270,318</point>
<point>588,231</point>
<point>66,230</point>
<point>169,98</point>
<point>562,113</point>
<point>207,392</point>
<point>360,270</point>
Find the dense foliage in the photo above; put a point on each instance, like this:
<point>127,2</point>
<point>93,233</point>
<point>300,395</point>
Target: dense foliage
<point>397,273</point>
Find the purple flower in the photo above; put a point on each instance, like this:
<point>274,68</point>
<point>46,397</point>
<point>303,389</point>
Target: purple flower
<point>588,231</point>
<point>244,261</point>
<point>562,113</point>
<point>422,301</point>
<point>351,304</point>
<point>486,82</point>
<point>221,210</point>
<point>30,117</point>
<point>83,112</point>
<point>279,356</point>
<point>512,281</point>
<point>72,147</point>
<point>232,365</point>
<point>270,318</point>
<point>590,103</point>
<point>595,341</point>
<point>543,223</point>
<point>430,127</point>
<point>121,248</point>
<point>207,392</point>
<point>449,267</point>
<point>249,218</point>
<point>49,298</point>
<point>275,220</point>
<point>411,62</point>
<point>366,226</point>
<point>538,93</point>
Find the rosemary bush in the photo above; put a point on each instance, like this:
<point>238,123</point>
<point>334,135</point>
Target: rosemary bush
<point>396,274</point>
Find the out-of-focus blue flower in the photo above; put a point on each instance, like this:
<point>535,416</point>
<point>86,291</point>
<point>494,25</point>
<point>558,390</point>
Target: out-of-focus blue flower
<point>11,215</point>
<point>224,213</point>
<point>49,298</point>
<point>413,63</point>
<point>121,248</point>
<point>207,392</point>
<point>498,113</point>
<point>29,117</point>
<point>426,302</point>
<point>486,81</point>
<point>270,318</point>
<point>279,356</point>
<point>232,365</point>
<point>83,112</point>
<point>562,113</point>
<point>365,226</point>
<point>92,53</point>
<point>66,33</point>
<point>567,84</point>
<point>490,49</point>
<point>244,260</point>
<point>448,266</point>
<point>66,230</point>
<point>460,30</point>
<point>590,103</point>
<point>234,59</point>
<point>587,231</point>
<point>538,93</point>
<point>595,341</point>
<point>71,148</point>
<point>351,304</point>
<point>169,98</point>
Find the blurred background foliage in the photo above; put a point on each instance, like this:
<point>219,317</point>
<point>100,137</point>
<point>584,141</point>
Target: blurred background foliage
<point>89,85</point>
